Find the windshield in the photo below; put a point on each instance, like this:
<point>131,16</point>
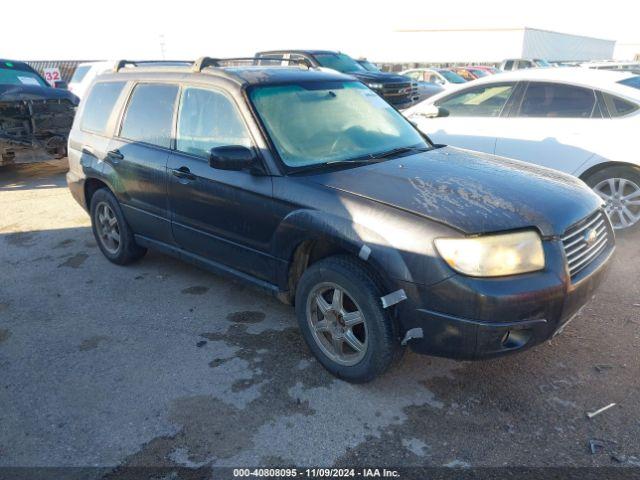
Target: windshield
<point>451,76</point>
<point>15,74</point>
<point>80,73</point>
<point>338,61</point>
<point>478,73</point>
<point>541,63</point>
<point>322,122</point>
<point>369,66</point>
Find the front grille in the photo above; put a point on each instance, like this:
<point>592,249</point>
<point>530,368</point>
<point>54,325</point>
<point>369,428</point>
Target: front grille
<point>586,241</point>
<point>395,89</point>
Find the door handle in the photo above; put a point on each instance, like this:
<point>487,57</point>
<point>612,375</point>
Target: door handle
<point>115,156</point>
<point>184,173</point>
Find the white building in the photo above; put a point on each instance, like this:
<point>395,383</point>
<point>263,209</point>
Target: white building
<point>491,45</point>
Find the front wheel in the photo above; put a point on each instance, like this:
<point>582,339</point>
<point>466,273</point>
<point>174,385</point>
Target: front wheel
<point>342,320</point>
<point>619,187</point>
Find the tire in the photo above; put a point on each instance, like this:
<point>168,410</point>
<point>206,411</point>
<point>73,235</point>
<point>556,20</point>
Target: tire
<point>600,182</point>
<point>360,293</point>
<point>125,250</point>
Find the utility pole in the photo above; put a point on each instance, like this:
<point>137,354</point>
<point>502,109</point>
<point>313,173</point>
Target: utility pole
<point>162,47</point>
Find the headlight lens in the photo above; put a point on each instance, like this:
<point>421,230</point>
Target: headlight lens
<point>493,255</point>
<point>375,86</point>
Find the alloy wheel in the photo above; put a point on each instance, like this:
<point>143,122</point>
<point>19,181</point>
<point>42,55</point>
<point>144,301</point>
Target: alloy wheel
<point>622,201</point>
<point>337,324</point>
<point>108,228</point>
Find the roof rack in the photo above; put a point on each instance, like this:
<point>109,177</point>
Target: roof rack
<point>120,64</point>
<point>204,62</point>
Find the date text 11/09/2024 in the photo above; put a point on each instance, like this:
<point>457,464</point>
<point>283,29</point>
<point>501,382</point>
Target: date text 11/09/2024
<point>316,473</point>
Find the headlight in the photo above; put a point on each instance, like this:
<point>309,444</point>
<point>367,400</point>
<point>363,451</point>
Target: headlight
<point>493,255</point>
<point>375,86</point>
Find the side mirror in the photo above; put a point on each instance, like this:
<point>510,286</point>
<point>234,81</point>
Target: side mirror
<point>432,111</point>
<point>61,84</point>
<point>231,157</point>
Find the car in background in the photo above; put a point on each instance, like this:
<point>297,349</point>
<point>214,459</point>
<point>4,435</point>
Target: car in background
<point>487,68</point>
<point>309,186</point>
<point>633,67</point>
<point>85,73</point>
<point>368,66</point>
<point>576,120</point>
<point>523,63</point>
<point>469,73</point>
<point>35,118</point>
<point>395,89</point>
<point>439,76</point>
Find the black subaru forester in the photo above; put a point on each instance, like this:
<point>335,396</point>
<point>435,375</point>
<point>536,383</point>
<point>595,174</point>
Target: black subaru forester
<point>309,186</point>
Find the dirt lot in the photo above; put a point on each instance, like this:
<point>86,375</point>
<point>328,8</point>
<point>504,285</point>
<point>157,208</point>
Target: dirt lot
<point>163,364</point>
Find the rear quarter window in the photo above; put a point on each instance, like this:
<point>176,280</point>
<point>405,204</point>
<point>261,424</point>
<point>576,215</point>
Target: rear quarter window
<point>80,73</point>
<point>97,109</point>
<point>618,107</point>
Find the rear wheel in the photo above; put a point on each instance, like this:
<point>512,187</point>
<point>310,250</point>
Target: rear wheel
<point>342,320</point>
<point>619,187</point>
<point>111,231</point>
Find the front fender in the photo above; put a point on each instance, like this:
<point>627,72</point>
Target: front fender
<point>307,224</point>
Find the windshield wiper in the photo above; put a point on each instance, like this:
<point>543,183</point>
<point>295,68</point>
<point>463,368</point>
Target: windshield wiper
<point>333,163</point>
<point>364,159</point>
<point>398,151</point>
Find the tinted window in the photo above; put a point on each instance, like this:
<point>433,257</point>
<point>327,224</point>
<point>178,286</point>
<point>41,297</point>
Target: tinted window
<point>508,65</point>
<point>80,73</point>
<point>338,61</point>
<point>98,106</point>
<point>617,106</point>
<point>150,114</point>
<point>486,101</point>
<point>208,119</point>
<point>633,82</point>
<point>557,101</point>
<point>452,76</point>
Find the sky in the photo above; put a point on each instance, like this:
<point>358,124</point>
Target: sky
<point>186,29</point>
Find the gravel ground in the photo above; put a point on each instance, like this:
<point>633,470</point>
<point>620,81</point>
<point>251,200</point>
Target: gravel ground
<point>160,363</point>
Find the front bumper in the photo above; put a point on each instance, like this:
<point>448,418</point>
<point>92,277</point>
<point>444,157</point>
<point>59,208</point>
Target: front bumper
<point>491,317</point>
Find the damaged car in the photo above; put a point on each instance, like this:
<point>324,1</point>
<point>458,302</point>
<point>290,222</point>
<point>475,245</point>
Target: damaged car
<point>35,119</point>
<point>309,186</point>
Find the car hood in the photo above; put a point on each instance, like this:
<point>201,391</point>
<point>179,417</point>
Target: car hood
<point>472,192</point>
<point>32,92</point>
<point>380,77</point>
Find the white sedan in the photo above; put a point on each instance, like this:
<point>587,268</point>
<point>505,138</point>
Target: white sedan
<point>576,120</point>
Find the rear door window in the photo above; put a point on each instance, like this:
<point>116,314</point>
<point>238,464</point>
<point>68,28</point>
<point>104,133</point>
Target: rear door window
<point>98,106</point>
<point>557,101</point>
<point>149,115</point>
<point>485,101</point>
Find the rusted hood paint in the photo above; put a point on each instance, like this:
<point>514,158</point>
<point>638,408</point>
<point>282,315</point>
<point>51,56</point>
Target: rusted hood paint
<point>472,192</point>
